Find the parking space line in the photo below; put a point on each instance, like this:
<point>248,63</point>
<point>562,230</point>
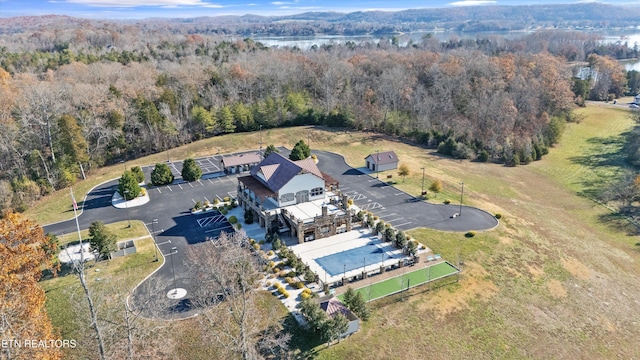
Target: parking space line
<point>190,184</point>
<point>220,229</point>
<point>396,194</point>
<point>169,187</point>
<point>180,187</point>
<point>210,180</point>
<point>205,199</point>
<point>194,202</point>
<point>397,226</point>
<point>159,190</point>
<point>200,182</point>
<point>394,220</point>
<point>218,196</point>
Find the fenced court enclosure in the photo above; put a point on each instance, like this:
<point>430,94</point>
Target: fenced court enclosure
<point>406,281</point>
<point>357,259</point>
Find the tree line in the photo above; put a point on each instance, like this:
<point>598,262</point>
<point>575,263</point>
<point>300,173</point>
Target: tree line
<point>59,122</point>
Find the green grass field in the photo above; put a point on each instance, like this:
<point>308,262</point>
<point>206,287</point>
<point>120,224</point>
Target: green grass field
<point>405,281</point>
<point>120,229</point>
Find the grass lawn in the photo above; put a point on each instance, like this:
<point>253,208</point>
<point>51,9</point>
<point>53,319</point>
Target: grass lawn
<point>554,280</point>
<point>404,281</point>
<point>110,282</point>
<point>121,229</point>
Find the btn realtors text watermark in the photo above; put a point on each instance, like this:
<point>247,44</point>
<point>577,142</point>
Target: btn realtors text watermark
<point>37,344</point>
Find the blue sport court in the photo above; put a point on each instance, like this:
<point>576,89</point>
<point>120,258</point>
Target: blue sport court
<point>372,253</point>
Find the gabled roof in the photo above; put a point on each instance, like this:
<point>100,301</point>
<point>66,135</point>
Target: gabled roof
<point>242,159</point>
<point>333,306</point>
<point>276,170</point>
<point>382,158</point>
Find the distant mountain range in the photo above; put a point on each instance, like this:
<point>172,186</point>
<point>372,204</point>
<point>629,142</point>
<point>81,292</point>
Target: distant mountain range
<point>460,19</point>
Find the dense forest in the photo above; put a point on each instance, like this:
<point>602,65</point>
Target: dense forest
<point>73,98</point>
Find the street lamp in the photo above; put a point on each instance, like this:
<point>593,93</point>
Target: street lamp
<point>461,193</point>
<point>377,163</point>
<point>344,273</point>
<point>174,250</point>
<point>261,140</point>
<point>422,193</point>
<point>153,236</point>
<point>126,206</point>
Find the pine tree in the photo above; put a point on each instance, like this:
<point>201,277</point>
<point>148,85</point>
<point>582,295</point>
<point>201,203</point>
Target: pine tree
<point>101,239</point>
<point>190,170</point>
<point>161,175</point>
<point>128,186</point>
<point>300,151</point>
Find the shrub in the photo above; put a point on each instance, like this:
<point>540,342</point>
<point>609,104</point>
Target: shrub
<point>271,263</point>
<point>387,225</point>
<point>216,201</point>
<point>304,295</point>
<point>281,290</point>
<point>375,218</point>
<point>233,219</point>
<point>256,245</point>
<point>498,216</point>
<point>470,234</point>
<point>276,270</point>
<point>206,203</point>
<point>350,202</point>
<point>268,283</point>
<point>289,280</point>
<point>261,242</point>
<point>270,253</point>
<point>307,291</point>
<point>234,203</point>
<point>198,205</point>
<point>128,186</point>
<point>286,294</point>
<point>226,199</point>
<point>447,201</point>
<point>248,217</point>
<point>229,207</point>
<point>224,211</point>
<point>143,192</point>
<point>299,285</point>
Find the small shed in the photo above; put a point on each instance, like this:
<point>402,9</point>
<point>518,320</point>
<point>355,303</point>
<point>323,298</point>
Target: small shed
<point>240,163</point>
<point>382,161</point>
<point>332,306</point>
<point>636,100</point>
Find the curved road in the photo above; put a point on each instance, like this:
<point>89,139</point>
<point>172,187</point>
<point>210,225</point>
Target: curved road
<point>177,229</point>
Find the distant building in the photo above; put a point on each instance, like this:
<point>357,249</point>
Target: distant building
<point>240,163</point>
<point>383,161</point>
<point>295,197</point>
<point>333,306</point>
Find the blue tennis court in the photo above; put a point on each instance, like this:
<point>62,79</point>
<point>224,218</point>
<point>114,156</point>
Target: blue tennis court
<point>372,253</point>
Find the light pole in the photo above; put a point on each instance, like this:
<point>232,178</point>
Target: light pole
<point>364,264</point>
<point>153,236</point>
<point>260,140</point>
<point>344,273</point>
<point>422,193</point>
<point>377,163</point>
<point>126,206</point>
<point>461,193</point>
<point>174,250</point>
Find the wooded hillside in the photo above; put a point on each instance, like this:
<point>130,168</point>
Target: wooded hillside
<point>101,94</point>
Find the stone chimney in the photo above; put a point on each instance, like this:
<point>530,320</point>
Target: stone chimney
<point>324,211</point>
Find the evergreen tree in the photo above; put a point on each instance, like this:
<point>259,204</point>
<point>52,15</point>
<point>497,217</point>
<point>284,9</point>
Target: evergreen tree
<point>359,306</point>
<point>137,172</point>
<point>300,151</point>
<point>128,186</point>
<point>101,239</point>
<point>270,149</point>
<point>161,175</point>
<point>71,140</point>
<point>190,170</point>
<point>225,116</point>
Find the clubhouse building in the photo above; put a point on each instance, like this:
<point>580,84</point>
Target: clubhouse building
<point>294,197</point>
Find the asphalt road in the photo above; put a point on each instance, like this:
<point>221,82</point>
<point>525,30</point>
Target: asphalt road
<point>176,229</point>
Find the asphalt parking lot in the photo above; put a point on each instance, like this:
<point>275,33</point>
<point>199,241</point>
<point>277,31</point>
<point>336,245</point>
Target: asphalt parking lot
<point>175,228</point>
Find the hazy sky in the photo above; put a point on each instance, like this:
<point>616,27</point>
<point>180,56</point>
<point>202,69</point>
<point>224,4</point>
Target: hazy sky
<point>193,8</point>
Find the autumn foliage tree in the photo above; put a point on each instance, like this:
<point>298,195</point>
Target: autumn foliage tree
<point>24,253</point>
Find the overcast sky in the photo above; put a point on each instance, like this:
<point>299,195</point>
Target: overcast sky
<point>132,9</point>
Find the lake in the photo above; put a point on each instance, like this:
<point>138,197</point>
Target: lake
<point>306,42</point>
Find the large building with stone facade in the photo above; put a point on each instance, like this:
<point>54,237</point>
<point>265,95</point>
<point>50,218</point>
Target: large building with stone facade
<point>294,197</point>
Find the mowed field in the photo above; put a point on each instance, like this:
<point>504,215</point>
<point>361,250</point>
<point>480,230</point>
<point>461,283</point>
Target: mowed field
<point>556,279</point>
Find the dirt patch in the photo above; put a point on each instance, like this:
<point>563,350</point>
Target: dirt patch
<point>473,286</point>
<point>556,289</point>
<point>535,272</point>
<point>576,268</point>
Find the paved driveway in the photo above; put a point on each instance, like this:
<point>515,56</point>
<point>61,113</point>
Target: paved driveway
<point>177,228</point>
<point>402,210</point>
